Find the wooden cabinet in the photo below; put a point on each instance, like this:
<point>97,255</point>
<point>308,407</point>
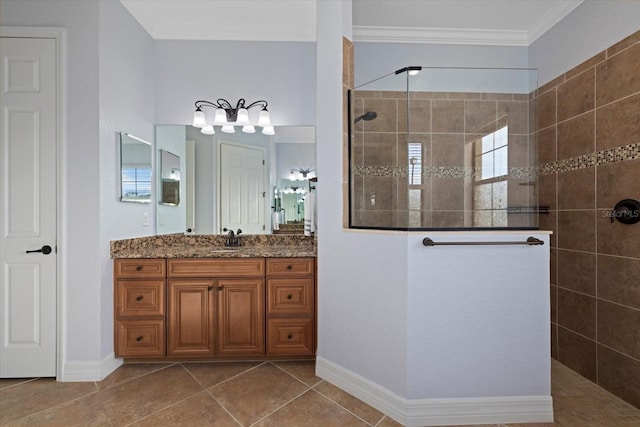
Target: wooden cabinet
<point>226,300</point>
<point>290,306</point>
<point>139,307</point>
<point>215,308</point>
<point>241,317</point>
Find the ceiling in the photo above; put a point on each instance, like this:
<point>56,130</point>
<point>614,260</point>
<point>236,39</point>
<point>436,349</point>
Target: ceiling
<point>492,22</point>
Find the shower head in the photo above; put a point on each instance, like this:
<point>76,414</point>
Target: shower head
<point>369,115</point>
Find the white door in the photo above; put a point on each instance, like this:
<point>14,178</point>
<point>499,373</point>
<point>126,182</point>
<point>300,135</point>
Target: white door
<point>242,194</point>
<point>28,207</point>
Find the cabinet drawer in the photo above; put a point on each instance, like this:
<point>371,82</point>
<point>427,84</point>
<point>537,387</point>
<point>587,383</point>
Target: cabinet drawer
<point>289,266</point>
<point>138,338</point>
<point>140,298</point>
<point>290,336</point>
<point>247,267</point>
<point>290,296</point>
<point>142,267</point>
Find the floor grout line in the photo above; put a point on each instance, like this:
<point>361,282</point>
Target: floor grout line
<point>575,400</point>
<point>280,407</point>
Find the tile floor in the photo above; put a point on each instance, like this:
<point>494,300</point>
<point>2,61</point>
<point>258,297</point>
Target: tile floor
<point>277,394</point>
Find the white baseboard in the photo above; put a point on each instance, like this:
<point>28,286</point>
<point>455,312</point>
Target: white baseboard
<point>89,371</point>
<point>432,412</point>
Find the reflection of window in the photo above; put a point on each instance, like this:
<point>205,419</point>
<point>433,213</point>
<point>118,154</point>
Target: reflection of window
<point>136,182</point>
<point>415,163</point>
<point>491,154</point>
<point>490,189</point>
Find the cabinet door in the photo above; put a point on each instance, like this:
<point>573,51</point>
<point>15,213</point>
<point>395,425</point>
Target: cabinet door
<point>191,317</point>
<point>241,317</point>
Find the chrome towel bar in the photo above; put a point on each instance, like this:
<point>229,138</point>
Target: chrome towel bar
<point>531,241</point>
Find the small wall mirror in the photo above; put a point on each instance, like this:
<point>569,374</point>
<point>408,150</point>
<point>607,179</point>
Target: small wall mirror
<point>289,197</point>
<point>170,176</point>
<point>135,169</point>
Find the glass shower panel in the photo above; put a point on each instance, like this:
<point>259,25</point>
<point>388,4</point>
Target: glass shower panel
<point>444,148</point>
<point>378,154</point>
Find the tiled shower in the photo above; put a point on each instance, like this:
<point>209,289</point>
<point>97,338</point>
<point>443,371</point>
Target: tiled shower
<point>584,134</point>
<point>589,159</point>
<point>444,148</point>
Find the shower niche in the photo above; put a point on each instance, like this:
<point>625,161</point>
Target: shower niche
<point>444,149</point>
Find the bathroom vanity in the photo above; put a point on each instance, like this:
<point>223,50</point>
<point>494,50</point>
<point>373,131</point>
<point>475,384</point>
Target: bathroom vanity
<point>191,297</point>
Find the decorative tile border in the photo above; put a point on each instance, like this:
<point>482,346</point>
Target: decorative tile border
<point>610,155</point>
<point>437,172</point>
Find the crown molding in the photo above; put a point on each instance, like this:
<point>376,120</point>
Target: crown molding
<point>556,14</point>
<point>439,36</point>
<point>383,34</point>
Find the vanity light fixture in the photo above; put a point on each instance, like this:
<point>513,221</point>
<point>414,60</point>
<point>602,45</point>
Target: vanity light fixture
<point>228,116</point>
<point>301,171</point>
<point>294,190</point>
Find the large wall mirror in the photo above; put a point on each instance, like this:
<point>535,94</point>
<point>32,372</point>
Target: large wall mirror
<point>222,173</point>
<point>135,169</point>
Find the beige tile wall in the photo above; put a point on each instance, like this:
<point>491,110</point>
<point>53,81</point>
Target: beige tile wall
<point>589,154</point>
<point>444,123</point>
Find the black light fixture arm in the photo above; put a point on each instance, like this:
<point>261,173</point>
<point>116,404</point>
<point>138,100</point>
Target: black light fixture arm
<point>232,112</point>
<point>260,103</point>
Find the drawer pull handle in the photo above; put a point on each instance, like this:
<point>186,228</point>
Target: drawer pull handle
<point>139,298</point>
<point>139,338</point>
<point>289,296</point>
<point>139,268</point>
<point>289,267</point>
<point>289,336</point>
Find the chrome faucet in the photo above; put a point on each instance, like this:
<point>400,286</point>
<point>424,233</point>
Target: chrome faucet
<point>233,239</point>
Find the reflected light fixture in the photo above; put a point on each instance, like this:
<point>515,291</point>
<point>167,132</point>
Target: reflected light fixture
<point>304,172</point>
<point>412,70</point>
<point>228,116</point>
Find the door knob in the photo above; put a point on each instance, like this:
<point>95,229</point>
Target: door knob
<point>46,249</point>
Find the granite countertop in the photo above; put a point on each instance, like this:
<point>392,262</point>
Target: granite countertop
<point>213,246</point>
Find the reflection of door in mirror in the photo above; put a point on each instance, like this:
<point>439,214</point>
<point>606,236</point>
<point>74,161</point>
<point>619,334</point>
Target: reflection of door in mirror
<point>135,169</point>
<point>242,188</point>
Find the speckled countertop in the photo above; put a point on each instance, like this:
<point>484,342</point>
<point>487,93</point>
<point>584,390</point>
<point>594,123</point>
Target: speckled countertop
<point>213,246</point>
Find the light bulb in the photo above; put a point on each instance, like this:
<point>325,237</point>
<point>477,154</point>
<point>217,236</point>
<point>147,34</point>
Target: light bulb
<point>248,129</point>
<point>243,117</point>
<point>220,118</point>
<point>208,130</point>
<point>264,119</point>
<point>199,119</point>
<point>228,129</point>
<point>268,130</point>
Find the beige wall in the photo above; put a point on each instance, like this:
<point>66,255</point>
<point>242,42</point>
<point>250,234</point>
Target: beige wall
<point>589,159</point>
